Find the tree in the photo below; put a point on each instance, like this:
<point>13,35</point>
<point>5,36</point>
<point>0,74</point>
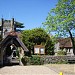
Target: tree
<point>37,36</point>
<point>61,20</point>
<point>18,25</point>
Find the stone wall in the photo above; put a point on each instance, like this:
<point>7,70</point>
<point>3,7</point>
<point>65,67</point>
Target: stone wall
<point>56,59</point>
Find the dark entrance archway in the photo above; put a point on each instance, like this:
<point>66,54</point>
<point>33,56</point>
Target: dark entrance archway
<point>11,55</point>
<point>8,51</point>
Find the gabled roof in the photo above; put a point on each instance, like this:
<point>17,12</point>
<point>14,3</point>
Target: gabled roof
<point>65,42</point>
<point>12,38</point>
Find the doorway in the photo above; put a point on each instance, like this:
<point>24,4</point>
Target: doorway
<point>10,55</point>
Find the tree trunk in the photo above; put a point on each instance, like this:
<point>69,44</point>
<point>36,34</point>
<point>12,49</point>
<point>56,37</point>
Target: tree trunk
<point>72,40</point>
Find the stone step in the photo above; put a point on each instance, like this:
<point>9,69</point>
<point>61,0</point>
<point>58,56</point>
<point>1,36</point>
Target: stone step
<point>15,60</point>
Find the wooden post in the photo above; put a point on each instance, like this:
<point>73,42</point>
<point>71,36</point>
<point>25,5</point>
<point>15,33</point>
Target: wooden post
<point>2,22</point>
<point>20,56</point>
<point>1,57</point>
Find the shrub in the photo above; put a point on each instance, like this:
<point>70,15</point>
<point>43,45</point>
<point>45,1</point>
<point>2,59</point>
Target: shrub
<point>36,60</point>
<point>61,52</point>
<point>25,60</point>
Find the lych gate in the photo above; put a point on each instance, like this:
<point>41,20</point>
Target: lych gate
<point>11,47</point>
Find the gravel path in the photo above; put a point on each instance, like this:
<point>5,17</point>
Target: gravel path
<point>27,70</point>
<point>50,69</point>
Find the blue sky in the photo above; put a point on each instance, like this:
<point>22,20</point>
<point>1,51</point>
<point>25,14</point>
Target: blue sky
<point>30,12</point>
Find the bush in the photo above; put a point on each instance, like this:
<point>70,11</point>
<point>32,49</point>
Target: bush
<point>61,52</point>
<point>36,60</point>
<point>25,60</point>
<point>49,47</point>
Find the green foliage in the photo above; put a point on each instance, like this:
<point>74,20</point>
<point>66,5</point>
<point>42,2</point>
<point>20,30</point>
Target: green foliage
<point>18,26</point>
<point>61,20</point>
<point>49,47</point>
<point>36,60</point>
<point>61,52</point>
<point>37,36</point>
<point>25,60</point>
<point>33,60</point>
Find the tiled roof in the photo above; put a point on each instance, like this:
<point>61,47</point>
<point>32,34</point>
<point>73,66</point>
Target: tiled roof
<point>12,38</point>
<point>65,42</point>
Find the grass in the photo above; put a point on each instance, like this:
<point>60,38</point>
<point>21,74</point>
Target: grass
<point>65,68</point>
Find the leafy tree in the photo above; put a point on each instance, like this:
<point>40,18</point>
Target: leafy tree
<point>18,25</point>
<point>37,36</point>
<point>61,20</point>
